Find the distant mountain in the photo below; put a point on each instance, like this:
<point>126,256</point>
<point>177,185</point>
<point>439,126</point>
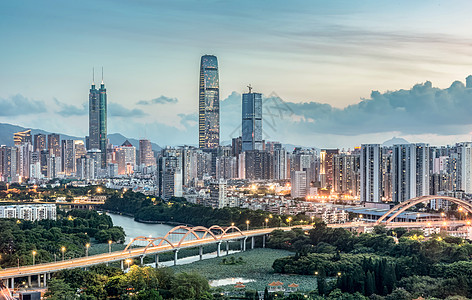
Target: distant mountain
<point>394,141</point>
<point>7,131</point>
<point>118,139</point>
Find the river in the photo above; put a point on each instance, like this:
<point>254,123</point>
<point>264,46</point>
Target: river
<point>134,229</point>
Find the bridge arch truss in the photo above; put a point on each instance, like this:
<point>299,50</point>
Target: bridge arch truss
<point>399,208</point>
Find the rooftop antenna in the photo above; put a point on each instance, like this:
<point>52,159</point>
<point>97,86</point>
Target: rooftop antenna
<point>102,74</point>
<point>93,75</point>
<point>250,88</point>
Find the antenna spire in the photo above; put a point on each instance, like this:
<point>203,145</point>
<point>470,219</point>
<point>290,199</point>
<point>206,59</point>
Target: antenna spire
<point>93,75</point>
<point>250,88</point>
<point>102,74</point>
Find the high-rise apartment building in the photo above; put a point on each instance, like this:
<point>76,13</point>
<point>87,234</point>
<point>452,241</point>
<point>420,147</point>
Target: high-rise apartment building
<point>40,142</point>
<point>126,158</point>
<point>410,171</point>
<point>209,104</point>
<point>299,184</point>
<point>146,156</point>
<point>252,121</point>
<point>326,167</point>
<point>54,144</point>
<point>371,173</point>
<point>68,157</point>
<point>97,138</point>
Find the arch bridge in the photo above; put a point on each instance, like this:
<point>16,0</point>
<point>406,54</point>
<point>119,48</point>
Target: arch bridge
<point>395,211</point>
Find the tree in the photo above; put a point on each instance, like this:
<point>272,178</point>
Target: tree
<point>189,286</point>
<point>369,284</point>
<point>60,290</point>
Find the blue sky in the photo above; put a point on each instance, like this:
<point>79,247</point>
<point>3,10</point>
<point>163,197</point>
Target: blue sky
<point>324,59</point>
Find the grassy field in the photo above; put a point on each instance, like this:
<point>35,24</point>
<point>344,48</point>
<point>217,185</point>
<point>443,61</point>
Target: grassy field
<point>257,265</point>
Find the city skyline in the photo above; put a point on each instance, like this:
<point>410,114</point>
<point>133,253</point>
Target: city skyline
<point>323,64</point>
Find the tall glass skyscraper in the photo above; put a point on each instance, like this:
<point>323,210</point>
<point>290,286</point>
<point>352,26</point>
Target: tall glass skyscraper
<point>252,121</point>
<point>98,121</point>
<point>209,104</point>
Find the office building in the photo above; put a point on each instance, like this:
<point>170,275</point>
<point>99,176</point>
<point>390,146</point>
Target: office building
<point>326,167</point>
<point>251,121</point>
<point>22,137</point>
<point>209,104</point>
<point>126,158</point>
<point>97,138</point>
<point>68,157</point>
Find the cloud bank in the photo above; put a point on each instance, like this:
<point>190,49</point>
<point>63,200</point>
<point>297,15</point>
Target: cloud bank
<point>159,100</point>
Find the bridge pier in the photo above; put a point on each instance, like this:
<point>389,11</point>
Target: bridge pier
<point>29,281</point>
<point>252,243</point>
<point>44,280</point>
<point>227,247</point>
<point>176,256</point>
<point>200,252</point>
<point>12,286</point>
<point>122,265</point>
<point>142,259</point>
<point>157,260</point>
<point>218,249</point>
<point>39,280</point>
<point>244,244</point>
<point>263,241</point>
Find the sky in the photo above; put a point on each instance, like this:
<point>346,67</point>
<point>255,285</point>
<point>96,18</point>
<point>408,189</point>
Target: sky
<point>333,73</point>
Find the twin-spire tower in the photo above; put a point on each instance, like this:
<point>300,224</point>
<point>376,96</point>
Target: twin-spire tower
<point>97,139</point>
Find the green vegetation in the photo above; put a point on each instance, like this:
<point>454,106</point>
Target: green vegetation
<point>376,265</point>
<point>141,283</point>
<point>72,230</point>
<point>146,208</point>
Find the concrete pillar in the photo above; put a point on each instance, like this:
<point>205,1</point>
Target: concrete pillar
<point>44,280</point>
<point>157,260</point>
<point>200,252</point>
<point>176,256</point>
<point>122,265</point>
<point>218,249</point>
<point>244,244</point>
<point>49,276</point>
<point>12,286</point>
<point>252,243</point>
<point>29,281</point>
<point>263,241</point>
<point>39,280</point>
<point>142,259</point>
<point>227,247</point>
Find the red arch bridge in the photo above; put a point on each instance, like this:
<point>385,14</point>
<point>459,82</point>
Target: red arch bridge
<point>187,237</point>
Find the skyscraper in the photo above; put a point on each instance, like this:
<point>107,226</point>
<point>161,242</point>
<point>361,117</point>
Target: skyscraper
<point>252,121</point>
<point>146,156</point>
<point>410,171</point>
<point>98,120</point>
<point>371,173</point>
<point>54,144</point>
<point>22,137</point>
<point>39,142</point>
<point>209,104</point>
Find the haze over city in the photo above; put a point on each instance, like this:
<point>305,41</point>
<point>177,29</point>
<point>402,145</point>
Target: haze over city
<point>351,73</point>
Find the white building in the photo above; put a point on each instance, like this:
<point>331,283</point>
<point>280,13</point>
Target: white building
<point>29,212</point>
<point>371,173</point>
<point>299,184</point>
<point>410,171</point>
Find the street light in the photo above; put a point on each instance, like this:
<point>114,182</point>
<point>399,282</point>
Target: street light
<point>128,261</point>
<point>87,246</point>
<point>289,221</point>
<point>109,246</point>
<point>34,254</point>
<point>267,223</point>
<point>63,249</point>
<point>312,219</point>
<point>247,225</point>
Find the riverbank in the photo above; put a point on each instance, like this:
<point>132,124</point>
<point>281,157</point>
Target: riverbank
<point>170,223</point>
<point>255,269</point>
